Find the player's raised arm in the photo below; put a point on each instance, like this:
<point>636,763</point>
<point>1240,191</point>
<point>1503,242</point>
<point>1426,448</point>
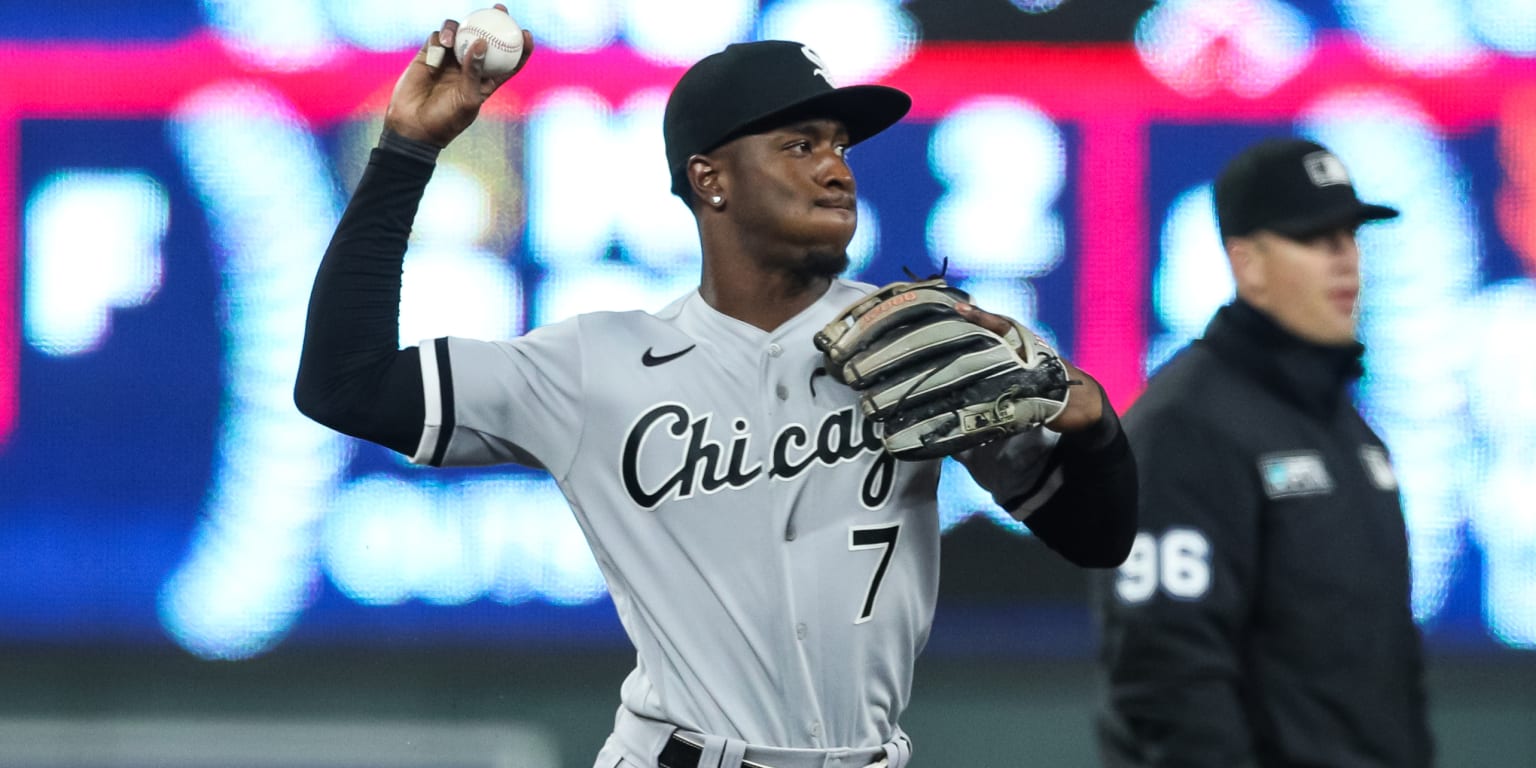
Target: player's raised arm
<point>439,95</point>
<point>353,377</point>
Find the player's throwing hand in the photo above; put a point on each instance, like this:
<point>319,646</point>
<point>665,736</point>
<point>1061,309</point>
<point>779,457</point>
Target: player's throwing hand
<point>438,96</point>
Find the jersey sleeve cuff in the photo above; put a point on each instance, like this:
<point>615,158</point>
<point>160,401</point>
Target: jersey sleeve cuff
<point>437,395</point>
<point>1021,507</point>
<point>394,143</point>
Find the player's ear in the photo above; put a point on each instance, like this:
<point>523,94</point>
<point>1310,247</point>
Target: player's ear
<point>704,179</point>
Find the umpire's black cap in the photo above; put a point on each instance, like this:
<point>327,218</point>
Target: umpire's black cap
<point>753,87</point>
<point>1292,187</point>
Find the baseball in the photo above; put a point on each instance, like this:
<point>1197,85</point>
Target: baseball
<point>504,36</point>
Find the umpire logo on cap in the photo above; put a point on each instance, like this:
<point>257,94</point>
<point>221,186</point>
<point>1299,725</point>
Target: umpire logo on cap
<point>1324,169</point>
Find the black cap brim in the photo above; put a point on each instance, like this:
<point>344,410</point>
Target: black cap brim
<point>864,110</point>
<point>1348,216</point>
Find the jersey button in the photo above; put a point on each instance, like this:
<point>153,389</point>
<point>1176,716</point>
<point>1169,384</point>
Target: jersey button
<point>774,350</point>
<point>800,631</point>
<point>782,391</point>
<point>816,730</point>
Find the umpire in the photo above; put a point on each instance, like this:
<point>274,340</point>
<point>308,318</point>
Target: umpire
<point>1262,618</point>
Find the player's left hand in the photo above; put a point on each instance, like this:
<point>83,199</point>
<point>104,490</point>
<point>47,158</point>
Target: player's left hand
<point>940,382</point>
<point>1085,406</point>
<point>438,96</point>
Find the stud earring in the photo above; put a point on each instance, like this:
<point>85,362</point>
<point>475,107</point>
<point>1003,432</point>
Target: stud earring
<point>716,200</point>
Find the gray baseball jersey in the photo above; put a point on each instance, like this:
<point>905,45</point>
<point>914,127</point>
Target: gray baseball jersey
<point>775,568</point>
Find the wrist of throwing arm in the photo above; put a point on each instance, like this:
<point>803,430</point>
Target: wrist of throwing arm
<point>389,141</point>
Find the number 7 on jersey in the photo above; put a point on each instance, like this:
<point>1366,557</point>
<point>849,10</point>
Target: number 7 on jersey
<point>873,537</point>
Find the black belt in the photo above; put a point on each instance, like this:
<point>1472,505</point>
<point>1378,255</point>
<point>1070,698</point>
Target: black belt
<point>681,754</point>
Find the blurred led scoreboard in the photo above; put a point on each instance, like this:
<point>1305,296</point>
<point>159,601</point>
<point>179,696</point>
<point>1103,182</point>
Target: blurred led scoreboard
<point>160,224</point>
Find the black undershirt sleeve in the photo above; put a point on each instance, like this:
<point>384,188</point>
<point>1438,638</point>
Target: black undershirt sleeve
<point>1091,519</point>
<point>353,377</point>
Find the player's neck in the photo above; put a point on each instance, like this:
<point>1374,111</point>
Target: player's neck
<point>762,299</point>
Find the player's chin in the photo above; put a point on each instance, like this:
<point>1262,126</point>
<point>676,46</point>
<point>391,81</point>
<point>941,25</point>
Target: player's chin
<point>1335,327</point>
<point>825,262</point>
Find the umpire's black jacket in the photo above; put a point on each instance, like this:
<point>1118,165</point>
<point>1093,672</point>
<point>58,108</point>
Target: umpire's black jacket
<point>1262,618</point>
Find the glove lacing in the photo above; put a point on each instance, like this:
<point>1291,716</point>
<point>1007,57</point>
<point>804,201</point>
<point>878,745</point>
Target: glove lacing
<point>943,270</point>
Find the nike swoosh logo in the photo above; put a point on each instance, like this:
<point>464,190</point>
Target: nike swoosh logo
<point>649,360</point>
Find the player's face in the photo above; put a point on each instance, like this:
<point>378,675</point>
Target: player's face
<point>791,190</point>
<point>1310,286</point>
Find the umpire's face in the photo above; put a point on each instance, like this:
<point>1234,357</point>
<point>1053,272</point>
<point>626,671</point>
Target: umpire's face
<point>1308,285</point>
<point>790,194</point>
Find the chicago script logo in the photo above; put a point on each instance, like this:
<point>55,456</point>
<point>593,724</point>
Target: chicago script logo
<point>706,466</point>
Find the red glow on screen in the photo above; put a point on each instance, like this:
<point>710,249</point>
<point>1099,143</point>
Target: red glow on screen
<point>10,273</point>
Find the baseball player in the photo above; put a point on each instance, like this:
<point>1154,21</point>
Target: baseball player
<point>773,563</point>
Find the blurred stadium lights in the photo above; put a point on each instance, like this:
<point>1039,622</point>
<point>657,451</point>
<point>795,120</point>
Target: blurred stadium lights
<point>887,34</point>
<point>1250,47</point>
<point>79,272</point>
